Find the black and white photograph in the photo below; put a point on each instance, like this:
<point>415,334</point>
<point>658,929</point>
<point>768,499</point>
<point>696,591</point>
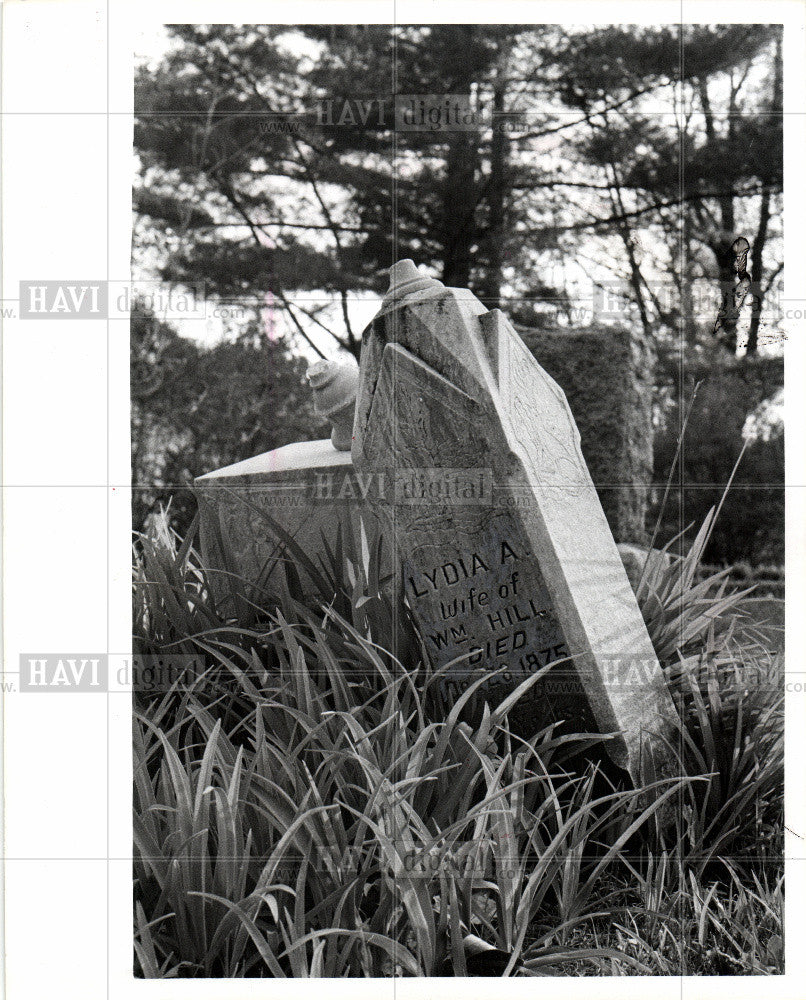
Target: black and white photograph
<point>462,651</point>
<point>437,500</point>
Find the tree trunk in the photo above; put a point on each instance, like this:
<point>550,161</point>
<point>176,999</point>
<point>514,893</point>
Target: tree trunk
<point>757,267</point>
<point>722,246</point>
<point>489,288</point>
<point>756,273</point>
<point>460,193</point>
<point>459,209</point>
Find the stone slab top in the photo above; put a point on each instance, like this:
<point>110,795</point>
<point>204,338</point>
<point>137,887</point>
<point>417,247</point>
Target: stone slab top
<point>301,455</point>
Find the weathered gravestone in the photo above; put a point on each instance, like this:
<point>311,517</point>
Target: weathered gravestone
<point>307,492</point>
<point>505,554</point>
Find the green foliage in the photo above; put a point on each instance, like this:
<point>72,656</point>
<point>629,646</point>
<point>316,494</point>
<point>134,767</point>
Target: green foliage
<point>311,806</point>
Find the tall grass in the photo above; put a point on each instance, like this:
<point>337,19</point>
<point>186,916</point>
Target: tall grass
<point>311,806</point>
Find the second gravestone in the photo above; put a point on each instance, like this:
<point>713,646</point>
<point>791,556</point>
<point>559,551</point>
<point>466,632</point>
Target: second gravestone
<point>506,557</point>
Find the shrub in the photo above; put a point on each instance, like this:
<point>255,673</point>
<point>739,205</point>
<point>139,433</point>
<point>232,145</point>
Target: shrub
<point>752,525</point>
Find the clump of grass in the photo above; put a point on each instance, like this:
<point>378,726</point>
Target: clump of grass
<point>312,806</point>
<point>337,832</point>
<point>683,612</point>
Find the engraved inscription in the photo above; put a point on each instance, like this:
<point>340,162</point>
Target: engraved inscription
<point>468,568</point>
<point>488,605</point>
<point>543,425</point>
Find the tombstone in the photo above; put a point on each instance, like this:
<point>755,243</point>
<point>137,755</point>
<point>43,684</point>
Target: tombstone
<point>505,555</point>
<point>307,491</point>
